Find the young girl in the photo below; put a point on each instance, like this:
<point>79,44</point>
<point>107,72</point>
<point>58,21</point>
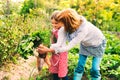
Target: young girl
<point>77,30</point>
<point>58,61</point>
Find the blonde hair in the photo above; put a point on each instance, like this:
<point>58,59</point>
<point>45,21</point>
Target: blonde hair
<point>70,19</point>
<point>54,15</point>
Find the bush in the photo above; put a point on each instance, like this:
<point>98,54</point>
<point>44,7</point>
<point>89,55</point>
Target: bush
<point>110,67</point>
<point>13,27</point>
<point>113,44</point>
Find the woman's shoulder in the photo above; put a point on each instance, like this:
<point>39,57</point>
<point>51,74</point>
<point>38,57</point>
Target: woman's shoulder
<point>61,29</point>
<point>82,18</point>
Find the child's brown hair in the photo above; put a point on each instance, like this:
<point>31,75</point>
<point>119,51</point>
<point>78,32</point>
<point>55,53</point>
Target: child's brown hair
<point>54,15</point>
<point>70,19</point>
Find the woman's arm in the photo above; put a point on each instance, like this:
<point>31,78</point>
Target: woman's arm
<point>43,49</point>
<point>61,41</point>
<point>76,40</point>
<point>54,48</point>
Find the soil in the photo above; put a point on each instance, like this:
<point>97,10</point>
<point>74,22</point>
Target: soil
<point>23,70</point>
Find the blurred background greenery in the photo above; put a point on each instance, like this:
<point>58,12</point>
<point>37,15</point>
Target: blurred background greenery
<point>21,17</point>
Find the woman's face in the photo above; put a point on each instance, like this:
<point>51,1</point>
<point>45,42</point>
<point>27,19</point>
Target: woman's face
<point>56,24</point>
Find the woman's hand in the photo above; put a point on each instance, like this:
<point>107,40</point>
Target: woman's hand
<point>42,49</point>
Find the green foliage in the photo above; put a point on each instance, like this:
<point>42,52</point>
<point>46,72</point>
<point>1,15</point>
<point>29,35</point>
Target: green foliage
<point>113,44</point>
<point>104,14</point>
<point>8,42</point>
<point>29,42</point>
<point>45,75</point>
<point>28,4</point>
<point>13,27</point>
<point>74,50</point>
<point>110,66</point>
<point>72,63</point>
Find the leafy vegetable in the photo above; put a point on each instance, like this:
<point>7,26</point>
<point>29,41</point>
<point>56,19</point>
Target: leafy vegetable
<point>31,41</point>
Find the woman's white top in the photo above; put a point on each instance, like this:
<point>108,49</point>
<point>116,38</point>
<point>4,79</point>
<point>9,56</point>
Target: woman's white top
<point>87,34</point>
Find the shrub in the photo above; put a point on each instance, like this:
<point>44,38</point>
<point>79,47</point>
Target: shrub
<point>113,44</point>
<point>110,66</point>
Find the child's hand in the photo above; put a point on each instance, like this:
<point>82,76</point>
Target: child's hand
<point>42,49</point>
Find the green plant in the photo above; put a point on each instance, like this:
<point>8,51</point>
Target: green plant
<point>8,41</point>
<point>72,63</point>
<point>110,66</point>
<point>74,50</point>
<point>28,4</point>
<point>44,75</point>
<point>113,44</point>
<point>14,26</point>
<point>29,42</point>
<point>103,14</point>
